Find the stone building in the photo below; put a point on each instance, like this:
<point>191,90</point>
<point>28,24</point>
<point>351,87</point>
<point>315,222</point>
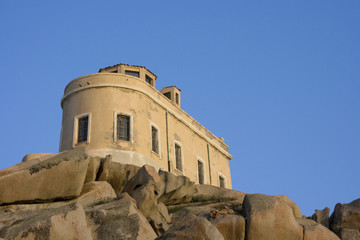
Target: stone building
<point>118,111</point>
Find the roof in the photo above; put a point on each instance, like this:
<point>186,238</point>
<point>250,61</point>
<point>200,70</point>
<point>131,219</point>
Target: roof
<point>170,87</point>
<point>123,64</point>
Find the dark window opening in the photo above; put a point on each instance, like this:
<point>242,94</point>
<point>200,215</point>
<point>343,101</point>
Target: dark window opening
<point>114,71</point>
<point>132,73</point>
<point>149,80</point>
<point>154,140</point>
<point>83,129</point>
<point>177,98</point>
<point>123,127</point>
<point>201,172</point>
<point>221,181</point>
<point>168,95</point>
<point>178,161</point>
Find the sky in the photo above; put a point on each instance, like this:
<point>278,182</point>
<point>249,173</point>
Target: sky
<point>279,80</point>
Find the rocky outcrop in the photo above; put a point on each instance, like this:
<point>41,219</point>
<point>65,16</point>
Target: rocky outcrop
<point>314,230</point>
<point>192,227</point>
<point>231,227</point>
<point>349,234</point>
<point>73,196</point>
<point>322,216</point>
<point>346,219</point>
<point>119,220</point>
<point>207,192</point>
<point>265,214</point>
<point>294,206</point>
<point>175,189</point>
<point>95,192</point>
<point>67,222</point>
<point>115,173</point>
<point>93,169</point>
<point>60,177</point>
<point>144,188</point>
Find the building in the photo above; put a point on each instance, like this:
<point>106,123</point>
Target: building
<point>118,111</point>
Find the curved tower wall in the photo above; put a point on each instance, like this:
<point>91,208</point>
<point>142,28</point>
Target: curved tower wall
<point>102,96</point>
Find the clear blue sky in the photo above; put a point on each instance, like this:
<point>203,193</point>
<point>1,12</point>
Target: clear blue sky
<point>279,80</point>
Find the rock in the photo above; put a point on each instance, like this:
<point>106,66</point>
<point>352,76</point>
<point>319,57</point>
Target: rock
<point>349,234</point>
<point>269,217</point>
<point>294,206</point>
<point>39,156</point>
<point>145,176</point>
<point>231,227</point>
<point>115,173</point>
<point>314,230</point>
<point>199,211</point>
<point>29,160</point>
<point>204,209</point>
<point>206,192</point>
<point>125,195</point>
<point>95,193</point>
<point>144,188</point>
<point>119,219</point>
<point>155,212</point>
<point>346,216</point>
<point>322,216</point>
<point>92,169</point>
<point>130,227</point>
<point>67,222</point>
<point>175,189</point>
<point>60,177</point>
<point>92,193</point>
<point>192,227</point>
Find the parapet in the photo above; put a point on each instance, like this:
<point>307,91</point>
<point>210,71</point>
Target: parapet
<point>132,70</point>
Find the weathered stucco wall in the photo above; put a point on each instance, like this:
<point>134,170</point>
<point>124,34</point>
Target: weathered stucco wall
<point>102,94</point>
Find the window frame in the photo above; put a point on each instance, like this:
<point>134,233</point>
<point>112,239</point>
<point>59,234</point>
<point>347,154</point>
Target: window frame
<point>220,175</point>
<point>182,157</point>
<point>198,159</point>
<point>151,80</point>
<point>76,129</point>
<point>152,125</point>
<point>116,113</point>
<point>132,71</point>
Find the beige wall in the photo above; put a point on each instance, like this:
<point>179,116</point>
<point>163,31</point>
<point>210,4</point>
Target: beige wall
<point>102,94</point>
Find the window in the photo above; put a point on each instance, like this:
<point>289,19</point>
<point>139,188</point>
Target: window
<point>178,157</point>
<point>221,181</point>
<point>177,98</point>
<point>123,127</point>
<point>154,139</point>
<point>168,95</point>
<point>132,73</point>
<point>83,129</point>
<point>149,80</point>
<point>200,172</point>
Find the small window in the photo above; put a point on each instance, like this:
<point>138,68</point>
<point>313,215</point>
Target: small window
<point>114,71</point>
<point>154,139</point>
<point>200,172</point>
<point>168,95</point>
<point>149,80</point>
<point>83,129</point>
<point>177,98</point>
<point>221,181</point>
<point>178,157</point>
<point>132,73</point>
<point>123,127</point>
